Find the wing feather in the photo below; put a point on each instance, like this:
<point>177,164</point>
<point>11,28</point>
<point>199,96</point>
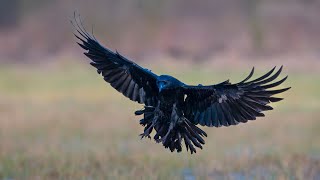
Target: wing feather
<point>228,104</point>
<point>133,81</point>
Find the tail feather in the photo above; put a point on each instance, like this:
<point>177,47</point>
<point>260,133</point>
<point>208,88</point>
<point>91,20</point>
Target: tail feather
<point>182,131</point>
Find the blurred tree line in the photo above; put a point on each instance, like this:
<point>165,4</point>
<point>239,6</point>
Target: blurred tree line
<point>180,28</point>
<point>12,11</point>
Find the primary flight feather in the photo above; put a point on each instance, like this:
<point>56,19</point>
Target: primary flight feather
<point>173,109</point>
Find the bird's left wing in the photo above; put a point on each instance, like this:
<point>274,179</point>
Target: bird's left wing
<point>133,81</point>
<point>228,104</point>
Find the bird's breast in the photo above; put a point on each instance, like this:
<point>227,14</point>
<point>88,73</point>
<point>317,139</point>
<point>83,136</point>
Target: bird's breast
<point>168,99</point>
<point>168,96</point>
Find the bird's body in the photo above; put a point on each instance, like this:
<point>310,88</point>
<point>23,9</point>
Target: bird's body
<point>173,109</point>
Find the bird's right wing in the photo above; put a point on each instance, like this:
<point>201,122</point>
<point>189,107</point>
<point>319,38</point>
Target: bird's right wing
<point>228,104</point>
<point>133,81</point>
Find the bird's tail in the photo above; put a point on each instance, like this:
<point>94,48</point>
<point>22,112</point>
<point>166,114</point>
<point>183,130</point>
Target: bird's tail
<point>186,131</point>
<point>171,137</point>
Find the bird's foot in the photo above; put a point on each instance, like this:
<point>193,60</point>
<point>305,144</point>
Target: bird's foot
<point>147,132</point>
<point>148,129</point>
<point>143,135</point>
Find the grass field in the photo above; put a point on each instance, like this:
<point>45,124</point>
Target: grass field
<point>63,122</point>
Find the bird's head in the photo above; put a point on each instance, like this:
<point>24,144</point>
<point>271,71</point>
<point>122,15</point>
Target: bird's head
<point>165,82</point>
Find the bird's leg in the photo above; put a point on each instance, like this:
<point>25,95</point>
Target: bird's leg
<point>173,121</point>
<point>157,113</point>
<point>147,132</point>
<point>168,132</point>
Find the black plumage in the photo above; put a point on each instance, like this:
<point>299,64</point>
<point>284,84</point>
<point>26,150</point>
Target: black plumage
<point>173,109</point>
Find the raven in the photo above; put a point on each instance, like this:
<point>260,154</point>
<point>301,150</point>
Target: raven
<point>172,108</point>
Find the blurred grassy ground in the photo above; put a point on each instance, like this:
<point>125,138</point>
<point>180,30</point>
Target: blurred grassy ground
<point>63,122</point>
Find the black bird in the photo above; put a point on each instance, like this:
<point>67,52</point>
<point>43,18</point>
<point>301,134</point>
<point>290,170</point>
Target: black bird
<point>172,108</point>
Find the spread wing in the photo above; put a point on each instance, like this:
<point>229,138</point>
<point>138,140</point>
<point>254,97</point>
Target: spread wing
<point>228,104</point>
<point>133,81</point>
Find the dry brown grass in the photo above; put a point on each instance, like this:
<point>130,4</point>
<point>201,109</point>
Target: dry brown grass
<point>61,122</point>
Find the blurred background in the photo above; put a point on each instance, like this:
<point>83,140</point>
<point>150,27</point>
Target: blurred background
<point>60,120</point>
